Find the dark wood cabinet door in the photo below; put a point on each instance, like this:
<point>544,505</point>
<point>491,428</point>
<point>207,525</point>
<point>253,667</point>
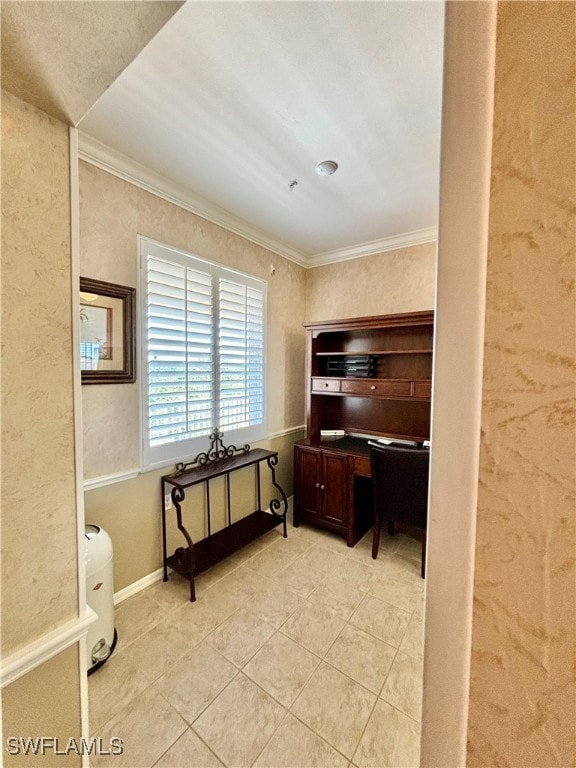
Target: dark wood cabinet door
<point>334,487</point>
<point>308,481</point>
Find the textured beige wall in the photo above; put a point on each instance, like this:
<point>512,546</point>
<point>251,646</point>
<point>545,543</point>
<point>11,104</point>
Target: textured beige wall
<point>386,283</point>
<point>522,697</point>
<point>45,702</point>
<point>39,545</point>
<point>112,214</point>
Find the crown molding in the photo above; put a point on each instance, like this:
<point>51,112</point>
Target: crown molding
<point>110,160</point>
<point>96,153</point>
<point>393,243</point>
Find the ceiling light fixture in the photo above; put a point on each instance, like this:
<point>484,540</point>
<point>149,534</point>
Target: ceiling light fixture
<point>326,168</point>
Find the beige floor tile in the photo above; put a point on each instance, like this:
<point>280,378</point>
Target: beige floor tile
<point>403,686</point>
<point>391,740</point>
<point>314,626</point>
<point>381,620</point>
<point>278,626</point>
<point>271,560</point>
<point>413,642</point>
<point>188,752</point>
<point>335,707</point>
<point>282,668</point>
<point>276,603</point>
<point>274,535</point>
<point>163,645</point>
<point>402,566</point>
<point>336,543</point>
<point>240,721</point>
<point>240,636</point>
<point>340,597</point>
<point>361,656</point>
<point>217,572</point>
<point>398,589</point>
<point>302,579</point>
<point>296,746</point>
<point>208,612</point>
<point>241,585</point>
<point>420,606</point>
<point>323,559</point>
<point>263,542</point>
<point>195,681</point>
<point>292,544</point>
<point>135,616</point>
<point>113,686</point>
<point>356,574</point>
<point>327,539</point>
<point>148,726</point>
<point>172,593</point>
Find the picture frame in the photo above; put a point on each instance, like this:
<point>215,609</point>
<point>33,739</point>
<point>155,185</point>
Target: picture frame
<point>107,332</point>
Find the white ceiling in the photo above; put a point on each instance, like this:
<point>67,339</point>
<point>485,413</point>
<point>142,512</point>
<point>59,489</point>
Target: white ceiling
<point>231,101</point>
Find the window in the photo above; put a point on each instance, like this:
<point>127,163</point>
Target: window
<point>202,356</point>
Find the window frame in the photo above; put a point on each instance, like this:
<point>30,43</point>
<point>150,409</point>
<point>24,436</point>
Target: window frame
<point>153,457</point>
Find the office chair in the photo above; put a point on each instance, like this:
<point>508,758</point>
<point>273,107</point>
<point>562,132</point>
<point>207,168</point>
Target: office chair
<point>399,490</point>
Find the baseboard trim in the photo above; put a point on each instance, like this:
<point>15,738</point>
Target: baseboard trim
<point>138,586</point>
<point>44,648</point>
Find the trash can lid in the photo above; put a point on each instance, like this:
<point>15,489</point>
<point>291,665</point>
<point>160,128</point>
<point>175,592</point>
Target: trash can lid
<point>91,530</point>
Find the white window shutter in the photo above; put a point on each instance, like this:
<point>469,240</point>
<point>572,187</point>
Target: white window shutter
<point>241,355</point>
<point>203,354</point>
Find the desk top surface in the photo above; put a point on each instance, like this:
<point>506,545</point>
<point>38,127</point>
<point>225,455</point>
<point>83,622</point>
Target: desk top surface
<point>346,444</point>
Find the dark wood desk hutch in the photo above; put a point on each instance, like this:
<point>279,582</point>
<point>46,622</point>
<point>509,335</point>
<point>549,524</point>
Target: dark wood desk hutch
<point>367,376</point>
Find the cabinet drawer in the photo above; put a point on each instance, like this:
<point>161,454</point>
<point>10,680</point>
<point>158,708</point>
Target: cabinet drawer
<point>397,388</point>
<point>362,466</point>
<point>423,389</point>
<point>325,385</point>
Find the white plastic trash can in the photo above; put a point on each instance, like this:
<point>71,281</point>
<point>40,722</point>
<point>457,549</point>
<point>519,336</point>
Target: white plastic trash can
<point>101,638</point>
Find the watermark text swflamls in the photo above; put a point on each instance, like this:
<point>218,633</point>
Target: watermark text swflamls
<point>44,745</point>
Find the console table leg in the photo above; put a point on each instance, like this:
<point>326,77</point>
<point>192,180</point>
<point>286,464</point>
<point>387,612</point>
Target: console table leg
<point>191,572</point>
<point>164,552</point>
<point>189,553</point>
<point>275,504</point>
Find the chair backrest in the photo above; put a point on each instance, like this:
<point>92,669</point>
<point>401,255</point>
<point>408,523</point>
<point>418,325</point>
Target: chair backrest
<point>400,482</point>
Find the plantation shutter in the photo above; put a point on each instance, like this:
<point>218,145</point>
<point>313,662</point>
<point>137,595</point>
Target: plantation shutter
<point>180,360</point>
<point>241,355</point>
<point>203,354</point>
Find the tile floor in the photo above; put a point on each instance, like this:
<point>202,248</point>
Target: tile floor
<point>299,652</point>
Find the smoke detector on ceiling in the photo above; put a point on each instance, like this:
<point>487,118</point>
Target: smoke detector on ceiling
<point>326,168</point>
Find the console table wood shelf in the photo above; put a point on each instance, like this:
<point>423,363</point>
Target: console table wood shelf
<point>198,556</point>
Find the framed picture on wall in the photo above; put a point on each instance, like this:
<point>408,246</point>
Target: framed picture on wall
<point>107,332</point>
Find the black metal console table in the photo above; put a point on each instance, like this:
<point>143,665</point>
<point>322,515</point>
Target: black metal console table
<point>217,462</point>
